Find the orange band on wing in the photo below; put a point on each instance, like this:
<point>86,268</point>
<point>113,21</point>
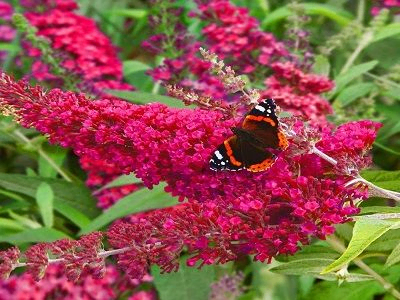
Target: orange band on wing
<point>283,143</point>
<point>261,118</point>
<point>261,166</point>
<point>230,154</point>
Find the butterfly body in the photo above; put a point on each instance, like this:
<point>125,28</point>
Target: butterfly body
<point>253,144</point>
<point>248,137</point>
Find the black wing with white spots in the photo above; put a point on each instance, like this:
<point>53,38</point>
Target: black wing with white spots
<point>249,147</point>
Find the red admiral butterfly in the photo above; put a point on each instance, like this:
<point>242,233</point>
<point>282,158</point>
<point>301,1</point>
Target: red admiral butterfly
<point>249,147</point>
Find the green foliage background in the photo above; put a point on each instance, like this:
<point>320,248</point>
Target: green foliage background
<point>43,196</point>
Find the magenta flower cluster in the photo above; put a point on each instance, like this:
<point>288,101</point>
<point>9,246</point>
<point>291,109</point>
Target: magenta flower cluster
<point>84,49</point>
<point>88,54</point>
<point>7,33</point>
<point>55,285</point>
<point>298,92</point>
<point>235,36</point>
<point>393,5</point>
<point>227,214</point>
<point>232,34</point>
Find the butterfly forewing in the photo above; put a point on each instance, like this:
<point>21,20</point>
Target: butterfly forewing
<point>262,123</point>
<point>228,156</point>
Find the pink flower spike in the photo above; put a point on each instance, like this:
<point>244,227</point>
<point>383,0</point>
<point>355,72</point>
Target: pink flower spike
<point>8,260</point>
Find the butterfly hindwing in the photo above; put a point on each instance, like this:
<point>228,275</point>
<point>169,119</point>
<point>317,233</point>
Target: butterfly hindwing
<point>256,159</point>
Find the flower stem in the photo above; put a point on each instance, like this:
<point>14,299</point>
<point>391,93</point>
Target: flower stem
<point>378,190</point>
<point>364,42</point>
<point>102,254</point>
<point>339,247</point>
<point>43,154</point>
<point>384,216</point>
<point>323,155</point>
<point>382,79</point>
<point>360,11</point>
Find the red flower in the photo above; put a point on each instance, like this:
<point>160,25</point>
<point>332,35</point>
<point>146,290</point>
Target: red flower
<point>228,214</point>
<point>298,92</point>
<point>8,261</point>
<point>390,4</point>
<point>235,36</point>
<point>90,55</point>
<point>85,50</point>
<point>55,285</point>
<point>7,33</point>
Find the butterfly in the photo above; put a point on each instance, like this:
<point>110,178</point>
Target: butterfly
<point>250,146</point>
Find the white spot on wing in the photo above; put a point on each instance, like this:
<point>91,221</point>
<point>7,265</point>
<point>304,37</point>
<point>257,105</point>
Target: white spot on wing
<point>218,155</point>
<point>260,108</point>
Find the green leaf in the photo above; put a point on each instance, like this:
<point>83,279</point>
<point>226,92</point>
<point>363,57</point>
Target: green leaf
<point>57,154</point>
<point>384,52</point>
<point>120,181</point>
<point>144,98</point>
<point>385,179</point>
<point>33,236</point>
<point>138,201</point>
<point>354,72</point>
<point>188,283</point>
<point>341,16</point>
<point>364,233</point>
<point>10,47</point>
<point>392,92</point>
<point>386,242</point>
<point>354,92</point>
<point>14,206</point>
<point>387,31</point>
<point>31,173</point>
<point>309,266</point>
<point>11,224</point>
<point>250,295</point>
<point>321,65</point>
<point>379,209</point>
<point>263,5</point>
<point>14,196</point>
<point>73,200</point>
<point>313,267</point>
<point>305,284</point>
<point>44,200</point>
<point>133,66</point>
<point>344,231</point>
<point>394,257</point>
<point>24,220</point>
<point>313,252</point>
<point>71,213</point>
<point>389,129</point>
<point>347,291</point>
<point>134,13</point>
<point>376,176</point>
<point>387,149</point>
<point>265,282</point>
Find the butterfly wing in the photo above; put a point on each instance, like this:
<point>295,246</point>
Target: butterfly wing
<point>262,123</point>
<point>249,148</point>
<point>256,159</point>
<point>228,156</point>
